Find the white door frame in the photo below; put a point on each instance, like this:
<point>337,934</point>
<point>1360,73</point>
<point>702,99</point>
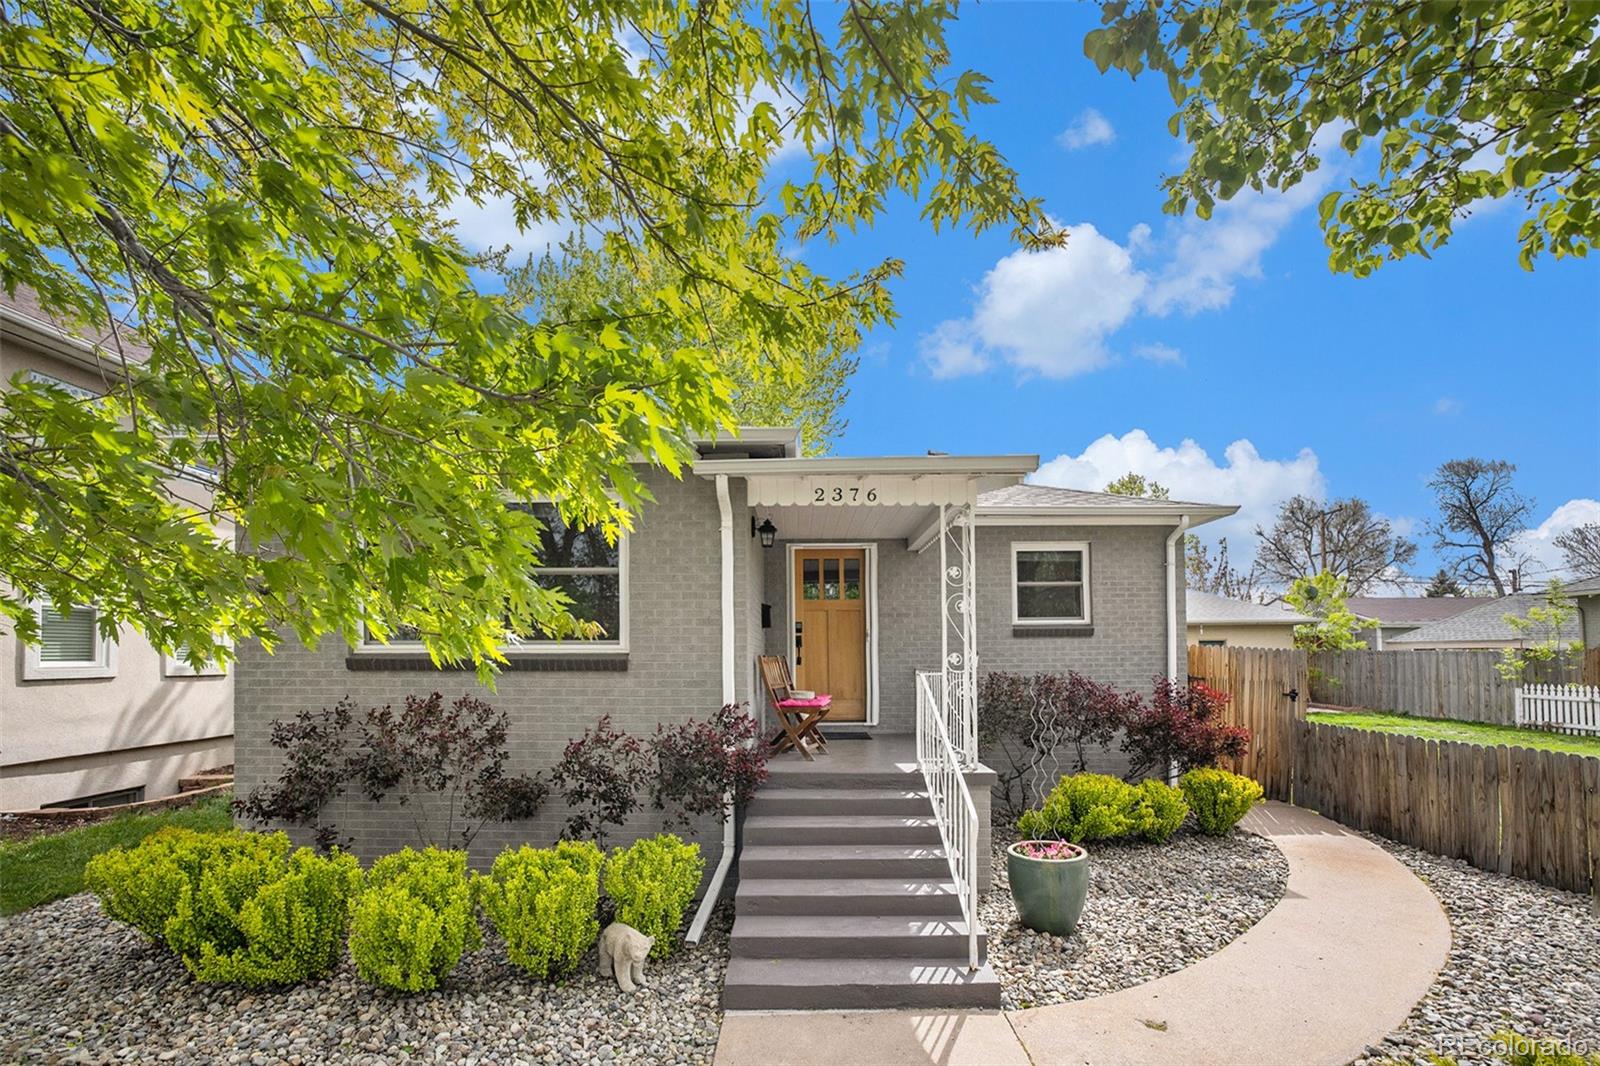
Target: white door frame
<point>871,584</point>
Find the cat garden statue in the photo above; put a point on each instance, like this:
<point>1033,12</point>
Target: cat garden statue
<point>623,950</point>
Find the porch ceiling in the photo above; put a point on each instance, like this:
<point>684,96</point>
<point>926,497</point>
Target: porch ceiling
<point>847,523</point>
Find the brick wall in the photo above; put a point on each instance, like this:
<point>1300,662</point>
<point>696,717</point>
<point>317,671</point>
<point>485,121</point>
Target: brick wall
<point>672,672</point>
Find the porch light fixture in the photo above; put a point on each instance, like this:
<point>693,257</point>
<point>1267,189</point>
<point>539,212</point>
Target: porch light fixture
<point>767,531</point>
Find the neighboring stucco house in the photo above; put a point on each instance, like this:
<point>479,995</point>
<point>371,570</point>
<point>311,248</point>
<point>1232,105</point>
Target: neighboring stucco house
<point>1222,622</point>
<point>856,569</point>
<point>1481,626</point>
<point>1586,594</point>
<point>1395,616</point>
<point>86,721</point>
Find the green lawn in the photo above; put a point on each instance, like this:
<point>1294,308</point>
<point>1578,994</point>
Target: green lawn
<point>1465,732</point>
<point>51,866</point>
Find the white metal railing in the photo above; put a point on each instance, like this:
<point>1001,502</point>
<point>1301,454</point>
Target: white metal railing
<point>1563,708</point>
<point>953,808</point>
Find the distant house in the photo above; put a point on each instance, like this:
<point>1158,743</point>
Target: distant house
<point>1395,616</point>
<point>1483,625</point>
<point>1217,621</point>
<point>1586,594</point>
<point>91,722</point>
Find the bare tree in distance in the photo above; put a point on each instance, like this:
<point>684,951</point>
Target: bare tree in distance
<point>1217,575</point>
<point>1580,550</point>
<point>1344,538</point>
<point>1480,511</point>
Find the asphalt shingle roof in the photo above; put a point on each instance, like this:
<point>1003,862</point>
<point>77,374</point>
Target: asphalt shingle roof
<point>1485,622</point>
<point>1402,610</point>
<point>1205,608</point>
<point>1024,496</point>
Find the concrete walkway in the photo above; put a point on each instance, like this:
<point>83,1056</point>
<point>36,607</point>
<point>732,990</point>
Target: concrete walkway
<point>1334,967</point>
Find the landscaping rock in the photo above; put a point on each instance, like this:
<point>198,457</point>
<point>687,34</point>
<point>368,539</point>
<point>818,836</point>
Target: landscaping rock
<point>1152,909</point>
<point>74,985</point>
<point>1523,957</point>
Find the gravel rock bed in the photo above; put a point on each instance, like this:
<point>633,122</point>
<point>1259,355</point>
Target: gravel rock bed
<point>76,986</point>
<point>1522,956</point>
<point>1152,909</point>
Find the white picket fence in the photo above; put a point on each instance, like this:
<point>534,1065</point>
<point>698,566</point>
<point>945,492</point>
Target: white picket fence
<point>1562,708</point>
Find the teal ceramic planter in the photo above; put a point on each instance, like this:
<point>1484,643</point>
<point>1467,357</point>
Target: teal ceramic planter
<point>1049,893</point>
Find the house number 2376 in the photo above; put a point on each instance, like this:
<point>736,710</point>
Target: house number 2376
<point>844,494</point>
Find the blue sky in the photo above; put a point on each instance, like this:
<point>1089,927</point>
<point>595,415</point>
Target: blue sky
<point>1336,385</point>
<point>1222,358</point>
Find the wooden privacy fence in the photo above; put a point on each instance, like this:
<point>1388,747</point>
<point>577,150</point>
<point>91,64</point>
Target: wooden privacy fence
<point>1460,683</point>
<point>1562,708</point>
<point>1517,811</point>
<point>1269,689</point>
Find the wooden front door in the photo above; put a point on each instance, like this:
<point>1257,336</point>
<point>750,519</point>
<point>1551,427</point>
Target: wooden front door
<point>830,627</point>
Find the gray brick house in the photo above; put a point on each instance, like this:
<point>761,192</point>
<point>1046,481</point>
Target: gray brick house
<point>853,568</point>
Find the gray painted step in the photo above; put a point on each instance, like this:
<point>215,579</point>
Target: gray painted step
<point>854,983</point>
<point>840,801</point>
<point>847,779</point>
<point>843,860</point>
<point>812,936</point>
<point>841,829</point>
<point>847,895</point>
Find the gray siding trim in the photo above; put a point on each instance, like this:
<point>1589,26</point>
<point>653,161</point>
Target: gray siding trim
<point>514,664</point>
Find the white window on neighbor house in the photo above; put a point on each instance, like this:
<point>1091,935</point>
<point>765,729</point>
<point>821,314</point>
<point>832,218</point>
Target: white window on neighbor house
<point>580,563</point>
<point>176,664</point>
<point>1050,583</point>
<point>70,646</point>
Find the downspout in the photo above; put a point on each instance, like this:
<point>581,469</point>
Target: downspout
<point>1172,595</point>
<point>708,902</point>
<point>1172,616</point>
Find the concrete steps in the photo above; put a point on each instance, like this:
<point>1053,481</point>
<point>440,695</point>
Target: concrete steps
<point>845,898</point>
<point>857,984</point>
<point>848,895</point>
<point>822,829</point>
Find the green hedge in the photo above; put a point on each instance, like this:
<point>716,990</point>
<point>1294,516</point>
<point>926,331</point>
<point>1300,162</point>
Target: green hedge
<point>237,908</point>
<point>1089,807</point>
<point>1218,798</point>
<point>414,919</point>
<point>652,883</point>
<point>545,903</point>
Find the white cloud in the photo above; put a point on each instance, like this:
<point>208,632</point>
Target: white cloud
<point>1048,312</point>
<point>1257,485</point>
<point>1447,405</point>
<point>1159,353</point>
<point>1089,128</point>
<point>1205,258</point>
<point>1054,312</point>
<point>1538,544</point>
<point>493,224</point>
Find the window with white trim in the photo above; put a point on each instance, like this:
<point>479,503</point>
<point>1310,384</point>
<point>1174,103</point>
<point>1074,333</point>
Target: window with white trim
<point>70,646</point>
<point>1050,583</point>
<point>176,664</point>
<point>581,563</point>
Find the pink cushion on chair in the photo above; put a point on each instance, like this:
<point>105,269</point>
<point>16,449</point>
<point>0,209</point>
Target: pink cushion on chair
<point>815,701</point>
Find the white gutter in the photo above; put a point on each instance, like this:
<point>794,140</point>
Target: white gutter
<point>1172,595</point>
<point>708,903</point>
<point>841,466</point>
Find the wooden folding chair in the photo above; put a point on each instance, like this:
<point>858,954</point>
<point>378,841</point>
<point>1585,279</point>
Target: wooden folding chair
<point>799,718</point>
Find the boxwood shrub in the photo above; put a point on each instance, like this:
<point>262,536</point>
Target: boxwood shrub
<point>237,908</point>
<point>652,883</point>
<point>413,919</point>
<point>545,903</point>
<point>1218,798</point>
<point>1088,807</point>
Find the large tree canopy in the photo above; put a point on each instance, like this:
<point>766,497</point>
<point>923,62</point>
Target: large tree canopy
<point>772,382</point>
<point>1463,102</point>
<point>264,190</point>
